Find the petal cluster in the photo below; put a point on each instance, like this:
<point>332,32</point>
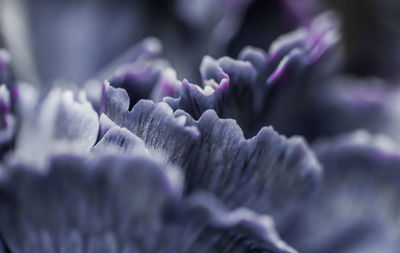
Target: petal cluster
<point>181,149</point>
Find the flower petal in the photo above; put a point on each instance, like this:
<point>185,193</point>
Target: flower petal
<point>357,207</point>
<point>347,104</point>
<point>112,196</point>
<point>120,204</point>
<point>270,170</point>
<point>119,140</point>
<point>64,124</point>
<point>154,123</point>
<point>255,89</point>
<point>146,76</point>
<point>7,120</point>
<point>225,231</point>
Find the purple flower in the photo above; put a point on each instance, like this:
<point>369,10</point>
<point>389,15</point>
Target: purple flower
<point>136,157</point>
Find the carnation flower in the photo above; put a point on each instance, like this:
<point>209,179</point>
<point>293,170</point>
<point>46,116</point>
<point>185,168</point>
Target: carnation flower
<point>263,154</point>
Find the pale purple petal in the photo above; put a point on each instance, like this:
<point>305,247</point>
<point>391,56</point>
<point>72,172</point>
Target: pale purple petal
<point>66,122</point>
<point>119,203</point>
<point>119,140</point>
<point>356,209</point>
<point>346,104</point>
<point>271,171</point>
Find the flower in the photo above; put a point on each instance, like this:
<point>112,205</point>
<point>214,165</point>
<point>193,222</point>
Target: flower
<point>262,155</point>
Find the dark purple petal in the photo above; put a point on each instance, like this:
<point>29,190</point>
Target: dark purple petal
<point>146,75</point>
<point>168,85</point>
<point>138,70</point>
<point>255,89</point>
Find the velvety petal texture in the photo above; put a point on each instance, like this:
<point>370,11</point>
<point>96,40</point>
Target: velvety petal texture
<point>215,156</point>
<point>119,140</point>
<point>117,204</point>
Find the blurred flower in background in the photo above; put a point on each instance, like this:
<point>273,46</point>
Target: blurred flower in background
<point>99,31</point>
<point>199,126</point>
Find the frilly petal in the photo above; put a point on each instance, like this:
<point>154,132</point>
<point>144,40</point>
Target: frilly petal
<point>120,204</point>
<point>146,75</point>
<point>215,156</point>
<point>152,123</point>
<point>119,140</point>
<point>255,89</point>
<point>109,196</point>
<point>263,167</point>
<point>140,70</point>
<point>240,230</point>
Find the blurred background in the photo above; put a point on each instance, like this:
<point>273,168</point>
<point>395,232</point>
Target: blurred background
<point>51,39</point>
<point>74,40</point>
